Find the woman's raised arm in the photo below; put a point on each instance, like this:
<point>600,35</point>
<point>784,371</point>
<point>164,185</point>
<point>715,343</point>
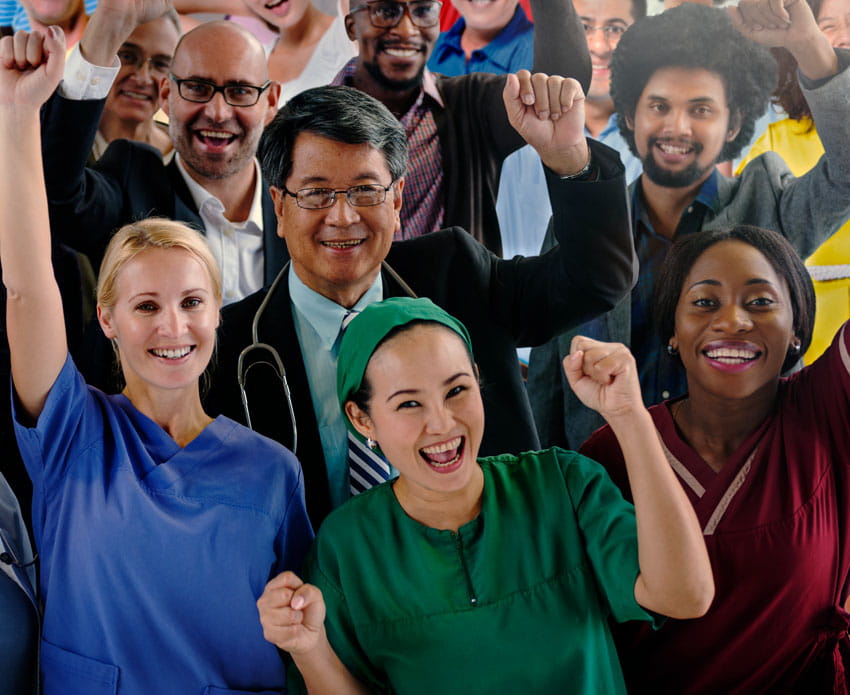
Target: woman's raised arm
<point>675,574</point>
<point>293,617</point>
<point>30,69</point>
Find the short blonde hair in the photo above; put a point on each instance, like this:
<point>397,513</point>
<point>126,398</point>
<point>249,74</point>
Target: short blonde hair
<point>151,233</point>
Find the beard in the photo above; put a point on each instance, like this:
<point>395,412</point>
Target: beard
<point>673,179</point>
<point>390,84</point>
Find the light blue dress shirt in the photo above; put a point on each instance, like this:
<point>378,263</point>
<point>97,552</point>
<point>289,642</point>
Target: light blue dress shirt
<point>317,324</point>
<point>523,202</point>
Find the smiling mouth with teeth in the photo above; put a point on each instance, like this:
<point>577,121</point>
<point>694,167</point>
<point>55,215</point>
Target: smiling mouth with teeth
<point>172,353</point>
<point>347,244</point>
<point>215,137</point>
<point>445,454</point>
<point>732,355</point>
<point>275,3</point>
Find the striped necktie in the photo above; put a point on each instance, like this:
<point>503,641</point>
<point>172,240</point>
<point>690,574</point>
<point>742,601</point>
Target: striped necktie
<point>366,467</point>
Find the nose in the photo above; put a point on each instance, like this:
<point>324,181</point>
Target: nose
<point>842,35</point>
<point>677,122</point>
<point>597,42</point>
<point>171,322</point>
<point>732,318</point>
<point>405,28</point>
<point>440,419</point>
<point>217,109</point>
<point>341,213</point>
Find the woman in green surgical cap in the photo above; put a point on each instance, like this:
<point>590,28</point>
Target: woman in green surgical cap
<point>493,575</point>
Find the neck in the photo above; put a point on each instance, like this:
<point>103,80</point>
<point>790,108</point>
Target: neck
<point>443,511</point>
<point>177,411</point>
<point>115,129</point>
<point>597,113</point>
<point>716,427</point>
<point>665,205</point>
<point>473,39</point>
<point>73,27</point>
<point>397,101</point>
<point>236,192</point>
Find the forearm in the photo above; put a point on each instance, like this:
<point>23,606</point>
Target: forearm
<point>592,225</point>
<point>325,674</point>
<point>815,56</point>
<point>104,34</point>
<point>675,574</point>
<point>560,46</point>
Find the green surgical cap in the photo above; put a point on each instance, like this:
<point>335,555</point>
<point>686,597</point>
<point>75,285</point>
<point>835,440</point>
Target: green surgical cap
<point>371,326</point>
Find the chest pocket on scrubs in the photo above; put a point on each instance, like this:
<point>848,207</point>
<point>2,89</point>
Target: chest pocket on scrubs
<point>68,673</point>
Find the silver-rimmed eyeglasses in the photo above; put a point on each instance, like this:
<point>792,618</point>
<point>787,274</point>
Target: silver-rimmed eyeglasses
<point>201,91</point>
<point>387,13</point>
<point>362,196</point>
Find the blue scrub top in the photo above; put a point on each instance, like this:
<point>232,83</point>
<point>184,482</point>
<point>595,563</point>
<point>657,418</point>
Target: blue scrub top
<point>153,555</point>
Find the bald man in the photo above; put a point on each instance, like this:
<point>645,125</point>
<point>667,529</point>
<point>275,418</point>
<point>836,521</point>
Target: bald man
<point>218,98</point>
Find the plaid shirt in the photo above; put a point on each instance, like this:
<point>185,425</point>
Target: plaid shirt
<point>660,376</point>
<point>424,202</point>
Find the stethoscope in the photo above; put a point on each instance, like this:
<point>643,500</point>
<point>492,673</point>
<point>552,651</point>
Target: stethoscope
<point>276,363</point>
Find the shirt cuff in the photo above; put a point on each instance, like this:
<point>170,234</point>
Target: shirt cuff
<point>83,80</point>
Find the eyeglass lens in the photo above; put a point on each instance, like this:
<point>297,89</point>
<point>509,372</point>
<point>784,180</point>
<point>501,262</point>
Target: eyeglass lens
<point>234,94</point>
<point>425,13</point>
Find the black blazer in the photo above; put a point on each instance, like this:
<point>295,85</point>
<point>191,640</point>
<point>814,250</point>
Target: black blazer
<point>503,303</point>
<point>130,182</point>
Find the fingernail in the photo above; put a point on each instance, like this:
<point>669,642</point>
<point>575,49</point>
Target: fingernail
<point>528,99</point>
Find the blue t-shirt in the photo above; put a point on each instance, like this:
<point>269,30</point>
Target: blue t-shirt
<point>153,555</point>
<point>511,50</point>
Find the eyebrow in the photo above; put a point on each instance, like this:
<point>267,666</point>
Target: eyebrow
<point>154,293</point>
<point>365,176</point>
<point>695,100</point>
<point>412,392</point>
<point>609,20</point>
<point>717,283</point>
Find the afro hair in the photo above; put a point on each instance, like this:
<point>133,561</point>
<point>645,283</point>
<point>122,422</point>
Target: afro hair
<point>699,37</point>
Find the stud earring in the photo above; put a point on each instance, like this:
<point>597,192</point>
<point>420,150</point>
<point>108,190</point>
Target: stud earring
<point>371,443</point>
<point>672,351</point>
<point>795,348</point>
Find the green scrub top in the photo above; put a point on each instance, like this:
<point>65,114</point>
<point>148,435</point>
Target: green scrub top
<point>516,601</point>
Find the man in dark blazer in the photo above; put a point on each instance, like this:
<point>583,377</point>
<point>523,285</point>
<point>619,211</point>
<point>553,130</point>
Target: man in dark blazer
<point>336,160</point>
<point>213,182</point>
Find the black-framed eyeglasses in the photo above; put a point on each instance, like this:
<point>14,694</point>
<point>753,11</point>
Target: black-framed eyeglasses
<point>201,91</point>
<point>388,13</point>
<point>363,196</point>
<point>130,57</point>
<point>611,32</point>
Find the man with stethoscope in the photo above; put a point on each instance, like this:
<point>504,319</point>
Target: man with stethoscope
<point>336,159</point>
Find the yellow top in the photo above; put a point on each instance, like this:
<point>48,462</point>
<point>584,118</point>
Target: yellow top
<point>797,142</point>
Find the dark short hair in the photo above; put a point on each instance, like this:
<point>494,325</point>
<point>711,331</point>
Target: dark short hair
<point>638,9</point>
<point>774,247</point>
<point>343,114</point>
<point>699,37</point>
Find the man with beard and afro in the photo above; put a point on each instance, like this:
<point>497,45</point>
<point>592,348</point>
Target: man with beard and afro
<point>688,85</point>
<point>457,129</point>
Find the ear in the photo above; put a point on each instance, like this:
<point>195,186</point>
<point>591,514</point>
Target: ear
<point>349,27</point>
<point>630,122</point>
<point>104,318</point>
<point>360,419</point>
<point>272,96</point>
<point>164,93</point>
<point>734,126</point>
<point>674,343</point>
<point>278,198</point>
<point>398,199</point>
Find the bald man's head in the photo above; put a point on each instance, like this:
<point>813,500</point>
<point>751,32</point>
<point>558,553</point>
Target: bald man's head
<point>217,139</point>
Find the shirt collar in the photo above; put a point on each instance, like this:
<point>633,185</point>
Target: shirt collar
<point>706,196</point>
<point>202,197</point>
<point>501,49</point>
<point>323,314</point>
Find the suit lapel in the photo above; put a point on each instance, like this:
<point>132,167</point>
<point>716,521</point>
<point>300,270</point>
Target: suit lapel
<point>185,209</point>
<point>275,252</point>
